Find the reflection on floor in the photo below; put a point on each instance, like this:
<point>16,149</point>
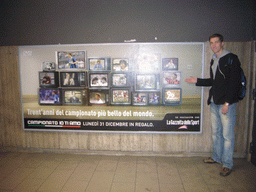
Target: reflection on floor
<point>23,172</point>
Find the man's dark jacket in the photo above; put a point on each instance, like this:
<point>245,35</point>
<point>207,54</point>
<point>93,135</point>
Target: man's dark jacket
<point>226,84</point>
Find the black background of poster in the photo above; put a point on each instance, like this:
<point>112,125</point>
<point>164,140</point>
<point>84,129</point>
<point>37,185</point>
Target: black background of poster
<point>170,123</point>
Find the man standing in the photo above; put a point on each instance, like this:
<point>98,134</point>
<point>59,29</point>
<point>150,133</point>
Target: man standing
<point>223,97</point>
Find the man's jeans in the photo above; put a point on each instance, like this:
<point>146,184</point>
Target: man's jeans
<point>223,134</point>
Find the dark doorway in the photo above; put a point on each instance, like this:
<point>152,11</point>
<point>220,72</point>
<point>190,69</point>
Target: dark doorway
<point>253,143</point>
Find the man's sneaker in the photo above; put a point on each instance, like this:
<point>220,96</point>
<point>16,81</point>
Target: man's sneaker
<point>209,160</point>
<point>225,171</point>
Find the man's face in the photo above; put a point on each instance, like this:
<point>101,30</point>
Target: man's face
<point>216,45</point>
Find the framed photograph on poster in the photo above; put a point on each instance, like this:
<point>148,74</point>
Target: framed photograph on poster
<point>121,79</point>
<point>120,96</point>
<point>48,79</point>
<point>99,64</point>
<point>71,60</point>
<point>49,96</point>
<point>73,79</point>
<point>146,82</point>
<point>172,96</point>
<point>48,66</point>
<point>169,64</point>
<point>139,98</point>
<point>154,98</point>
<point>120,65</point>
<point>74,96</point>
<point>99,80</point>
<point>148,63</point>
<point>171,78</point>
<point>98,97</point>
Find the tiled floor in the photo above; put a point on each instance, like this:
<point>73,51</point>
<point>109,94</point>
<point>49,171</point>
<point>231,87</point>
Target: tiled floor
<point>24,172</point>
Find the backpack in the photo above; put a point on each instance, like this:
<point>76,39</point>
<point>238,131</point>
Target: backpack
<point>242,87</point>
<point>242,90</point>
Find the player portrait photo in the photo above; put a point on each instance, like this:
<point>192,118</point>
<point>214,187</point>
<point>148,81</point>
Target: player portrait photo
<point>120,96</point>
<point>98,80</point>
<point>46,78</point>
<point>97,97</point>
<point>154,98</point>
<point>169,64</point>
<point>119,79</point>
<point>48,66</point>
<point>148,63</point>
<point>71,59</point>
<point>96,64</point>
<point>120,65</point>
<point>171,78</point>
<point>139,98</point>
<point>49,96</point>
<point>72,97</point>
<point>145,82</point>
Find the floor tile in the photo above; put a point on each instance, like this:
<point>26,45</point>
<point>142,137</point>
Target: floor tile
<point>73,172</point>
<point>148,185</point>
<point>52,164</point>
<point>196,187</point>
<point>41,173</point>
<point>29,185</point>
<point>67,165</point>
<point>123,187</point>
<point>126,166</point>
<point>87,165</point>
<point>56,181</point>
<point>176,187</point>
<point>107,165</point>
<point>170,178</point>
<point>75,186</point>
<point>144,177</point>
<point>222,188</point>
<point>82,174</point>
<point>149,168</point>
<point>101,181</point>
<point>91,158</point>
<point>15,178</point>
<point>52,185</point>
<point>123,177</point>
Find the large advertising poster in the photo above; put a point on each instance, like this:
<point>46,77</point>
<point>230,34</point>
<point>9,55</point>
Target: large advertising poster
<point>133,87</point>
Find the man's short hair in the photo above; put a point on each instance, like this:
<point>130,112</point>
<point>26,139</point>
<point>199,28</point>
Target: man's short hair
<point>217,35</point>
